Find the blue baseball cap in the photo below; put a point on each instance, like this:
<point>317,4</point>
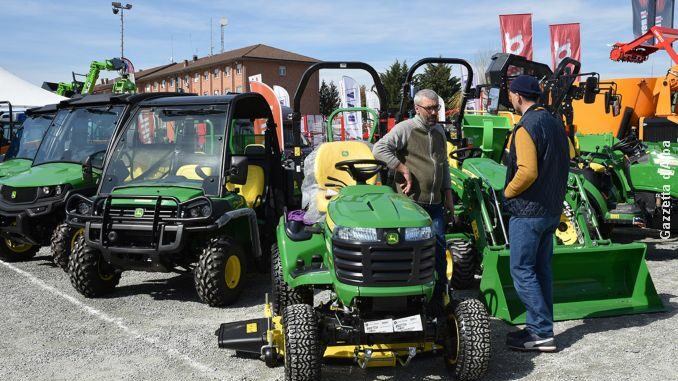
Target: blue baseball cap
<point>526,85</point>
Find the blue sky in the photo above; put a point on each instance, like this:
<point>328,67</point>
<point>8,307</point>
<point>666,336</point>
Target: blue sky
<point>46,40</point>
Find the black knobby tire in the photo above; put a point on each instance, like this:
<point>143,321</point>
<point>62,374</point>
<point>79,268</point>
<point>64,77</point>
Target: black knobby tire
<point>303,351</point>
<point>62,244</point>
<point>467,345</point>
<point>211,273</point>
<point>89,272</point>
<point>465,263</point>
<point>12,252</point>
<point>282,295</point>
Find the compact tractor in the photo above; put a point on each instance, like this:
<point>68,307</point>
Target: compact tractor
<point>374,250</point>
<point>190,184</point>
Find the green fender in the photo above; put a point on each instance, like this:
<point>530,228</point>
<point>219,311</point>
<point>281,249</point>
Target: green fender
<point>290,251</point>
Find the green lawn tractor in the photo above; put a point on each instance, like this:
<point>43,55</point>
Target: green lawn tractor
<point>591,275</point>
<point>190,184</point>
<point>26,140</point>
<point>65,163</point>
<point>374,250</point>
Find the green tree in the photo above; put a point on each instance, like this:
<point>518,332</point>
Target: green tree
<point>329,98</point>
<point>393,79</point>
<point>439,78</point>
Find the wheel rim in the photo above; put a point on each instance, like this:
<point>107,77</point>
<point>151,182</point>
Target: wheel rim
<point>103,274</point>
<point>450,263</point>
<point>232,273</point>
<point>453,356</point>
<point>17,247</point>
<point>78,233</point>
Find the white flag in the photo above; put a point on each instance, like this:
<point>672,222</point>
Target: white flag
<point>350,97</point>
<point>282,94</point>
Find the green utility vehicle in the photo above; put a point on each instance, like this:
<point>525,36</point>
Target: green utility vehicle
<point>374,250</point>
<point>591,275</point>
<point>190,184</point>
<point>32,202</point>
<point>26,140</point>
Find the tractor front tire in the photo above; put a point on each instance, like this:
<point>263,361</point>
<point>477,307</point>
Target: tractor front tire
<point>64,238</point>
<point>464,259</point>
<point>283,295</point>
<point>303,352</point>
<point>11,251</point>
<point>467,343</point>
<point>89,272</point>
<point>220,272</point>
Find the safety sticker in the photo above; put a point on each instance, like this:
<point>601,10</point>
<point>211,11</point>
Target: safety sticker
<point>251,328</point>
<point>379,326</point>
<point>408,324</point>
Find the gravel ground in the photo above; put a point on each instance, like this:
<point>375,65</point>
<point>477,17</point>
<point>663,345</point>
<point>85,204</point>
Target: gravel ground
<point>153,327</point>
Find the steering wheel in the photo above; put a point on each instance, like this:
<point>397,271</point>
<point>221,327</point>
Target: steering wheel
<point>369,168</point>
<point>473,152</point>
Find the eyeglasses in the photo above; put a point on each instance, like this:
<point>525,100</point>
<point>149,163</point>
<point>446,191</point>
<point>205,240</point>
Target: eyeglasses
<point>431,108</point>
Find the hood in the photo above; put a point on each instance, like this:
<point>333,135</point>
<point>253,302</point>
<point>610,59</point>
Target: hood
<point>46,175</point>
<point>486,169</point>
<point>13,166</point>
<point>375,206</point>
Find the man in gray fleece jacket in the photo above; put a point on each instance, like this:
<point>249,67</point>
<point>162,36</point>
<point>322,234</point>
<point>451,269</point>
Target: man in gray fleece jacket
<point>417,150</point>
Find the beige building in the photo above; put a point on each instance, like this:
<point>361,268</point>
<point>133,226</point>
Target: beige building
<point>229,71</point>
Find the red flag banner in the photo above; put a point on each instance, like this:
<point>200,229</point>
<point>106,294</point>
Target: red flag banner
<point>516,34</point>
<point>565,42</point>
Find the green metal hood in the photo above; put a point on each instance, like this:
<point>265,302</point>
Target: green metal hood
<point>181,193</point>
<point>14,166</point>
<point>657,174</point>
<point>374,206</point>
<point>46,175</point>
<point>487,169</point>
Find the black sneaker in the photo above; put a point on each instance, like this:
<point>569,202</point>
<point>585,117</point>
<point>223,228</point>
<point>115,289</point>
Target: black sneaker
<point>524,340</point>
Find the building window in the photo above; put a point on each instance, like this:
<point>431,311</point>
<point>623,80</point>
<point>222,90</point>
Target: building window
<point>227,71</point>
<point>216,73</point>
<point>206,75</point>
<point>148,88</point>
<point>196,77</point>
<point>172,82</point>
<point>216,92</point>
<point>238,89</point>
<point>238,69</point>
<point>163,84</point>
<point>227,90</point>
<point>282,70</point>
<point>155,86</point>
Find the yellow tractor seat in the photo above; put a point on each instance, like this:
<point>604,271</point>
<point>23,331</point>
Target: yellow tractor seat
<point>327,156</point>
<point>189,171</point>
<point>451,148</point>
<point>253,189</point>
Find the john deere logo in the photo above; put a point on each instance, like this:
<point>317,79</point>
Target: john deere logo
<point>13,194</point>
<point>344,153</point>
<point>392,238</point>
<point>139,212</point>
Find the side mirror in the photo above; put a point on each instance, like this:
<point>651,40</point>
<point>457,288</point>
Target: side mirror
<point>590,89</point>
<point>616,105</point>
<point>237,173</point>
<point>493,100</point>
<point>95,160</point>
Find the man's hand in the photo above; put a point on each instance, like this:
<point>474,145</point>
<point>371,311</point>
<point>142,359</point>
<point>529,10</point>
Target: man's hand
<point>407,185</point>
<point>449,201</point>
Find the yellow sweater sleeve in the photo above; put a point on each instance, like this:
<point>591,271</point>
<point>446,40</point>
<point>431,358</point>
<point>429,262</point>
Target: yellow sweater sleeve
<point>528,170</point>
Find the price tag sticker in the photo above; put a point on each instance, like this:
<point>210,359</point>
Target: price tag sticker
<point>379,326</point>
<point>408,324</point>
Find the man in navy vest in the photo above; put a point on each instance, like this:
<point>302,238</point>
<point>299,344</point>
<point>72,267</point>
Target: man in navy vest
<point>536,181</point>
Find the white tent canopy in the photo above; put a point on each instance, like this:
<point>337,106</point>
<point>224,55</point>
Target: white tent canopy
<point>24,94</point>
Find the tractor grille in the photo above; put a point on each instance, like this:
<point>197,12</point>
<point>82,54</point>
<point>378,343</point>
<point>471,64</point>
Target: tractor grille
<point>128,214</point>
<point>379,264</point>
<point>18,195</point>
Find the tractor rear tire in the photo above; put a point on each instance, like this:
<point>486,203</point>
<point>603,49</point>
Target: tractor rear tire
<point>283,295</point>
<point>63,242</point>
<point>464,259</point>
<point>89,272</point>
<point>220,272</point>
<point>303,352</point>
<point>467,344</point>
<point>11,251</point>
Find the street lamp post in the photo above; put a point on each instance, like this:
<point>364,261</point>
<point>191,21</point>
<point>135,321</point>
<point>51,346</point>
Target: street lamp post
<point>223,22</point>
<point>119,8</point>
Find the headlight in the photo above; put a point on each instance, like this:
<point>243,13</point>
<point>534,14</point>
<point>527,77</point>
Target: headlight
<point>206,211</point>
<point>46,191</point>
<point>418,234</point>
<point>53,190</point>
<point>58,190</point>
<point>194,212</point>
<point>356,234</point>
<point>200,210</point>
<point>84,208</point>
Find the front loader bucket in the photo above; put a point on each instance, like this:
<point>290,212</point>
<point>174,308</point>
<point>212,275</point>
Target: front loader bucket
<point>588,281</point>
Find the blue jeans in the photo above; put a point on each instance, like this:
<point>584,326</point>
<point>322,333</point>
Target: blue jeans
<point>531,247</point>
<point>437,214</point>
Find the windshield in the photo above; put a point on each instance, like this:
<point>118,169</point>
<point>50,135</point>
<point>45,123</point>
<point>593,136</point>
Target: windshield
<point>83,132</point>
<point>28,137</point>
<point>178,146</point>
